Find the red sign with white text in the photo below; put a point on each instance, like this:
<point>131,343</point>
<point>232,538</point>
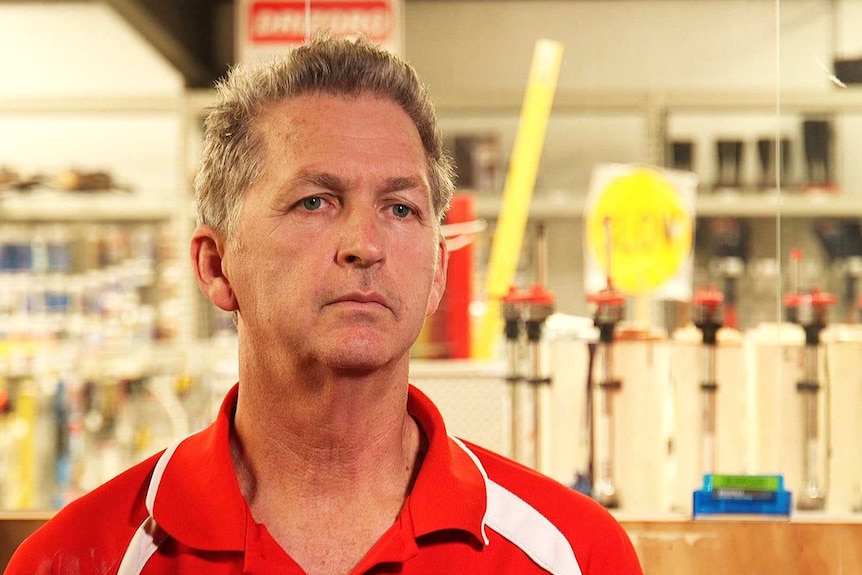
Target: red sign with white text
<point>267,27</point>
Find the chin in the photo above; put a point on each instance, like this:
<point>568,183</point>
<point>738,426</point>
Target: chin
<point>360,357</point>
<point>354,366</point>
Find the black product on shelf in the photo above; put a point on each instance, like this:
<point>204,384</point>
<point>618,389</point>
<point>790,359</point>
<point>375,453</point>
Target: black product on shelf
<point>839,238</point>
<point>729,237</point>
<point>682,155</point>
<point>729,155</point>
<point>729,240</point>
<point>817,135</point>
<point>477,162</point>
<point>842,242</point>
<point>766,155</point>
<point>848,71</point>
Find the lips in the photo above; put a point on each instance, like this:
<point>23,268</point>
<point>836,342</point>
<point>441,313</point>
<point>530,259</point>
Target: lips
<point>362,298</point>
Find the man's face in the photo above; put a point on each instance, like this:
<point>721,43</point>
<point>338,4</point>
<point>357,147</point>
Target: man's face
<point>336,260</point>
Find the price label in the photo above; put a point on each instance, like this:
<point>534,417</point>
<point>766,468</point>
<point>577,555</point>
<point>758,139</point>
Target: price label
<point>639,231</point>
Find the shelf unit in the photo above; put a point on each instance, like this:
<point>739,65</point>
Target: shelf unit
<point>656,107</point>
<point>164,205</point>
<point>742,205</point>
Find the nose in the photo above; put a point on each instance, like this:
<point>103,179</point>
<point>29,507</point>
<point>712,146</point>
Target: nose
<point>361,238</point>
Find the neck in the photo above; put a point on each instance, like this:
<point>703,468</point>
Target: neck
<point>325,436</point>
<point>319,453</point>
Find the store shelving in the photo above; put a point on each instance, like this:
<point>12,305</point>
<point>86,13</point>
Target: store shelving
<point>790,205</point>
<point>744,205</point>
<point>838,100</point>
<point>658,101</point>
<point>52,206</point>
<point>139,139</point>
<point>656,107</point>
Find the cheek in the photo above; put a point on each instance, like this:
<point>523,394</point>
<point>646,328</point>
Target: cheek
<point>438,283</point>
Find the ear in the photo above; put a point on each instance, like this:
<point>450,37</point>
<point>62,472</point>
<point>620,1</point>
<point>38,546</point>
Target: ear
<point>207,253</point>
<point>439,284</point>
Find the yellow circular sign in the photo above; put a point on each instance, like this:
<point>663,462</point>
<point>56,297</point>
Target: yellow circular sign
<point>640,223</point>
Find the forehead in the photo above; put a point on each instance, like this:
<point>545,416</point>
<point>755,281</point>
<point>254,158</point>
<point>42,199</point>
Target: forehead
<point>374,119</point>
<point>357,140</point>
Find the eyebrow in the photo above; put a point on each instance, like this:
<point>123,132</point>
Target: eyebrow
<point>330,181</point>
<point>399,183</point>
<point>324,180</point>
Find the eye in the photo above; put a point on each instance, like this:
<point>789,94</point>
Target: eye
<point>401,211</point>
<point>312,203</point>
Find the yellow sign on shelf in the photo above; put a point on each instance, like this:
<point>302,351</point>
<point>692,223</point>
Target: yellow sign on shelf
<point>639,229</point>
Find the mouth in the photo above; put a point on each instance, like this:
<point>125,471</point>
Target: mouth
<point>361,298</point>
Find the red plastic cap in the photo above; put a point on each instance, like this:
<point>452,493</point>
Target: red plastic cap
<point>816,298</point>
<point>792,299</point>
<point>708,296</point>
<point>606,297</point>
<point>822,298</point>
<point>539,295</point>
<point>515,296</point>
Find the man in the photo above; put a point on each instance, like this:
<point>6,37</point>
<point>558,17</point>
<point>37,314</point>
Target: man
<point>320,195</point>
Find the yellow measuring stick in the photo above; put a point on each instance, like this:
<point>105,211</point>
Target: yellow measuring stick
<point>518,191</point>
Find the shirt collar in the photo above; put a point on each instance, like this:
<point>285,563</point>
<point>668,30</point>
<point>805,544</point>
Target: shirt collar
<point>449,492</point>
<point>199,501</point>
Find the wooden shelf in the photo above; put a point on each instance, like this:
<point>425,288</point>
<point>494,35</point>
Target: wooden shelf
<point>802,545</point>
<point>15,527</point>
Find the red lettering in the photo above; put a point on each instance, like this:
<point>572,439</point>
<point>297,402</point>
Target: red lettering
<point>277,22</point>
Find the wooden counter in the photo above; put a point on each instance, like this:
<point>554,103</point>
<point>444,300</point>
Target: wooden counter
<point>14,528</point>
<point>805,545</point>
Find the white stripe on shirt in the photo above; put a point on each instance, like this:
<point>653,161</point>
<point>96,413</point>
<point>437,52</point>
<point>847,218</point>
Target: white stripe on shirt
<point>523,525</point>
<point>143,545</point>
<point>146,540</point>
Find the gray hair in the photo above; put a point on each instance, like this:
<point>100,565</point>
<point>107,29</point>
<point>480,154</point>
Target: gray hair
<point>231,157</point>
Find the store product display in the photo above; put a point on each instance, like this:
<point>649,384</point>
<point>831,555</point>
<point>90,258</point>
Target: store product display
<point>819,163</point>
<point>809,309</point>
<point>609,311</point>
<point>80,304</point>
<point>74,415</point>
<point>729,162</point>
<point>84,283</point>
<point>770,155</point>
<point>707,316</point>
<point>682,155</point>
<point>10,179</point>
<point>68,180</point>
<point>769,158</point>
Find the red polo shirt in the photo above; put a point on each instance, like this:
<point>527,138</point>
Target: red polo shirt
<point>470,511</point>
